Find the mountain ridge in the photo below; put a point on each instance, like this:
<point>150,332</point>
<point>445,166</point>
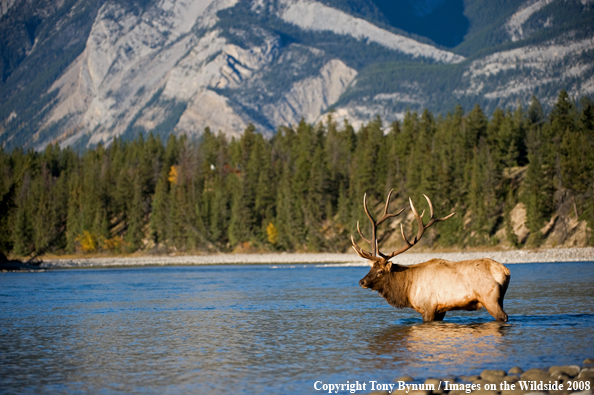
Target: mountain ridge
<point>178,66</point>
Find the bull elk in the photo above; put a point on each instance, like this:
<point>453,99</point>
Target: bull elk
<point>437,286</point>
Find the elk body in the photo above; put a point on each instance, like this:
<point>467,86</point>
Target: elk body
<point>437,286</point>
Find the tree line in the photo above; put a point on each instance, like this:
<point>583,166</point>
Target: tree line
<point>302,190</point>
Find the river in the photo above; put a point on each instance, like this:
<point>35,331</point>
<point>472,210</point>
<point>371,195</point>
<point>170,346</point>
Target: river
<point>259,329</point>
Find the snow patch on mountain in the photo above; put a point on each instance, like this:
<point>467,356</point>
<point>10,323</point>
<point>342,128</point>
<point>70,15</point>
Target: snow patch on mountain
<point>310,15</point>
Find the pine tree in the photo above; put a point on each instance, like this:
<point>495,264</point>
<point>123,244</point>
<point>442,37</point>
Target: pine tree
<point>240,222</point>
<point>586,123</point>
<point>338,145</point>
<point>316,201</point>
<point>507,143</point>
<point>218,220</point>
<point>423,156</point>
<point>561,122</point>
<point>520,127</point>
<point>73,220</point>
<point>535,114</point>
<point>538,187</point>
<point>134,232</point>
<point>265,193</point>
<point>369,161</point>
<point>23,233</point>
<point>159,224</point>
<point>42,210</point>
<point>483,178</point>
<point>288,218</point>
<point>475,127</point>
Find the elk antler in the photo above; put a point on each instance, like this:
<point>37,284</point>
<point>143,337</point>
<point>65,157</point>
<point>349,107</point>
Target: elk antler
<point>373,242</point>
<point>421,228</point>
<point>372,256</point>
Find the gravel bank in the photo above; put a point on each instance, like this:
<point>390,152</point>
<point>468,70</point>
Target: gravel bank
<point>555,380</point>
<point>553,255</point>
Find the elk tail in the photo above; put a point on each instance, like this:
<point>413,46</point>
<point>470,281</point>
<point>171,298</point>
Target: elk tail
<point>500,273</point>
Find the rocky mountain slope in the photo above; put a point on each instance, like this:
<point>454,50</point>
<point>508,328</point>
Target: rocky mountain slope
<point>81,72</point>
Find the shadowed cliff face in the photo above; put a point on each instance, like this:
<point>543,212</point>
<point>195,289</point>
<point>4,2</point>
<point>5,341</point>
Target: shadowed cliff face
<point>443,21</point>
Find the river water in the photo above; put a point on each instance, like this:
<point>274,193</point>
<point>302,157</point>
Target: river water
<point>268,329</point>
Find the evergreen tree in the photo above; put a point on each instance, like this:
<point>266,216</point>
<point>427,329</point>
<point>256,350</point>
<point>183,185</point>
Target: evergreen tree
<point>135,231</point>
<point>73,220</point>
<point>23,233</point>
<point>475,127</point>
<point>159,224</point>
<point>288,219</point>
<point>423,157</point>
<point>303,188</point>
<point>538,187</point>
<point>265,192</point>
<point>240,222</point>
<point>318,206</point>
<point>508,139</point>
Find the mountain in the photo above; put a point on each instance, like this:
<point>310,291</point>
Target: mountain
<point>81,72</point>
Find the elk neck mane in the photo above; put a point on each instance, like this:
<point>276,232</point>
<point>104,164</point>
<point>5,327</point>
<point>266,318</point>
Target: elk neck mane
<point>395,287</point>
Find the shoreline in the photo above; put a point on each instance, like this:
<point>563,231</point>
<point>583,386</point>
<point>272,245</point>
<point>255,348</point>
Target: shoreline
<point>585,254</point>
<point>554,380</point>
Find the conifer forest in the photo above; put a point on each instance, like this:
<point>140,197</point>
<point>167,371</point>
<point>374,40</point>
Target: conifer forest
<point>303,189</point>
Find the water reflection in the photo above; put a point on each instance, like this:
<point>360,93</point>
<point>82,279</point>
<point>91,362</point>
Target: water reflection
<point>442,343</point>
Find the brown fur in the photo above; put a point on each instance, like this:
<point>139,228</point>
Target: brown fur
<point>434,287</point>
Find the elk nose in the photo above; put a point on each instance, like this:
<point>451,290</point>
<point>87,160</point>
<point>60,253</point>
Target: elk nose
<point>362,283</point>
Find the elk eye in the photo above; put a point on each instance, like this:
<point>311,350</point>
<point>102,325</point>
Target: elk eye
<point>380,272</point>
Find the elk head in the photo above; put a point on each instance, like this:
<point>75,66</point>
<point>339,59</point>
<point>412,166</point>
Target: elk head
<point>379,262</point>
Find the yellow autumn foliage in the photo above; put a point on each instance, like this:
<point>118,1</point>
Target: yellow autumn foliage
<point>173,175</point>
<point>272,233</point>
<point>88,241</point>
<point>115,244</point>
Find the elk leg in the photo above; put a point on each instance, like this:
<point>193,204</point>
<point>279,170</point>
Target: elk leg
<point>439,316</point>
<point>432,315</point>
<point>500,314</point>
<point>494,308</point>
<point>428,315</point>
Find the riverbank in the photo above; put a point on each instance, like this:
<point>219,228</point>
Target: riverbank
<point>554,380</point>
<point>506,257</point>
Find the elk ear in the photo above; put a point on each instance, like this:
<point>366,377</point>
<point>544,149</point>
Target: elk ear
<point>388,267</point>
